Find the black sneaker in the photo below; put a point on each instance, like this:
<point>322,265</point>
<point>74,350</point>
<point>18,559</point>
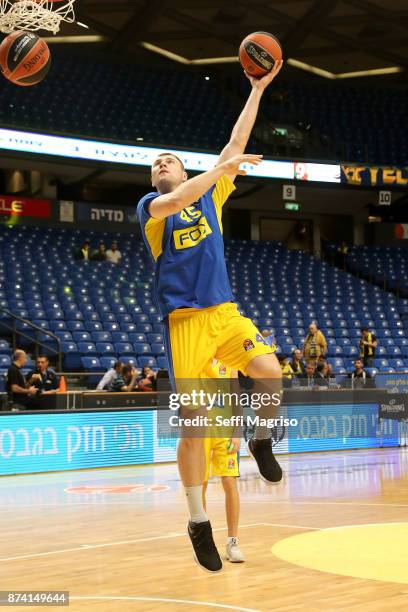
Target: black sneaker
<point>205,551</point>
<point>269,469</point>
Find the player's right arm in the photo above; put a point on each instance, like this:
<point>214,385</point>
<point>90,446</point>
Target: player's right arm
<point>189,192</point>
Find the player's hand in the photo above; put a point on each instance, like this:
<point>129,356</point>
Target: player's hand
<point>234,445</point>
<point>266,80</point>
<point>232,166</point>
<point>32,390</point>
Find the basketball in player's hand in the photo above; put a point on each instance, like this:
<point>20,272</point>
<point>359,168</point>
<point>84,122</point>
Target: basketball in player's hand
<point>258,53</point>
<point>25,58</point>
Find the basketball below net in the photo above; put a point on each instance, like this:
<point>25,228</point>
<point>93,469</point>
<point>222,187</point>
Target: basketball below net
<point>35,15</point>
<point>25,58</point>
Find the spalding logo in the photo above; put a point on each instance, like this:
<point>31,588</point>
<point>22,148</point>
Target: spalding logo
<point>259,55</point>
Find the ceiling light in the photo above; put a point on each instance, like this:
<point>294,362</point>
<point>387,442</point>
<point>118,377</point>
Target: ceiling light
<point>374,72</point>
<point>82,25</point>
<point>75,39</point>
<point>309,68</point>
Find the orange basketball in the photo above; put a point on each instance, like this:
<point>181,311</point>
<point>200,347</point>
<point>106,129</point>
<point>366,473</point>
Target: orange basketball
<point>258,53</point>
<point>25,58</point>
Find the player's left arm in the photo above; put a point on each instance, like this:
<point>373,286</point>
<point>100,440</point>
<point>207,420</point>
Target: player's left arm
<point>246,121</point>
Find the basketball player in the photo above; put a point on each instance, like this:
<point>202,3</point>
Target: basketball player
<point>221,459</point>
<point>182,229</point>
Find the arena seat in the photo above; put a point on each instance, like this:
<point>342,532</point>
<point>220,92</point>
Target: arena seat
<point>286,290</point>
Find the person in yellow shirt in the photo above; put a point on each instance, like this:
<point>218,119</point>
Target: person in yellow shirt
<point>222,459</point>
<point>315,344</point>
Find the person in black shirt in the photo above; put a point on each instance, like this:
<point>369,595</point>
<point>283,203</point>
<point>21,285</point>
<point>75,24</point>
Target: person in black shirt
<point>320,375</point>
<point>19,392</point>
<point>360,379</point>
<point>308,378</point>
<point>83,252</point>
<point>43,378</point>
<point>100,254</point>
<point>368,344</point>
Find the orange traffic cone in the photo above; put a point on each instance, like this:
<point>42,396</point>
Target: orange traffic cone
<point>62,386</point>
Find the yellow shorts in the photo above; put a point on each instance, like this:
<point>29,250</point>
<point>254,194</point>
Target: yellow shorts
<point>194,337</point>
<point>218,462</point>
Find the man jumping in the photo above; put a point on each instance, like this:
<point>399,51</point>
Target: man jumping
<point>182,229</point>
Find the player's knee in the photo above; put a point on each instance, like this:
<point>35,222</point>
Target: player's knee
<point>191,444</point>
<point>266,367</point>
<point>229,483</point>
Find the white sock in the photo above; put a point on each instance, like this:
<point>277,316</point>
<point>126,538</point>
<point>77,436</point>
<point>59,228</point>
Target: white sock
<point>232,539</point>
<point>195,504</point>
<point>262,432</point>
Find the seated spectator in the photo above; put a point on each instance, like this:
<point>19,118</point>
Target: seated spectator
<point>368,344</point>
<point>100,253</point>
<point>331,377</point>
<point>315,344</point>
<point>105,384</point>
<point>321,375</point>
<point>297,364</point>
<point>83,253</point>
<point>113,255</point>
<point>147,380</point>
<point>308,378</point>
<point>20,393</point>
<point>287,371</point>
<point>360,379</point>
<point>43,377</point>
<point>126,381</point>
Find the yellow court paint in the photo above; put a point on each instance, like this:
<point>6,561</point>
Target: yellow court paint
<point>376,551</point>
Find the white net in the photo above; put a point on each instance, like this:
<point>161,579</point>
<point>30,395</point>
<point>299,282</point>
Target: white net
<point>35,15</point>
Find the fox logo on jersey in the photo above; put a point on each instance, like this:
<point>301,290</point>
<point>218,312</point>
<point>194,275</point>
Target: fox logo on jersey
<point>191,236</point>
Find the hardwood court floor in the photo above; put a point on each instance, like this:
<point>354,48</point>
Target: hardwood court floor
<point>125,548</point>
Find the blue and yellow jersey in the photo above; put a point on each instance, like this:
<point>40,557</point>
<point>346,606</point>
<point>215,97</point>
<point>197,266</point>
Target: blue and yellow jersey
<point>188,250</point>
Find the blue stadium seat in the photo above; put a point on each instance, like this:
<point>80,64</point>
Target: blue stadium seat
<point>107,362</point>
<point>135,337</point>
<point>141,348</point>
<point>5,361</point>
<point>129,360</point>
<point>93,326</point>
<point>119,336</point>
<point>123,348</point>
<point>147,361</point>
<point>91,364</point>
<point>81,336</point>
<point>105,348</point>
<point>151,338</point>
<point>111,326</point>
<point>101,336</point>
<point>162,363</point>
<point>144,328</point>
<point>74,326</point>
<point>4,347</point>
<point>71,356</point>
<point>157,349</point>
<point>87,348</point>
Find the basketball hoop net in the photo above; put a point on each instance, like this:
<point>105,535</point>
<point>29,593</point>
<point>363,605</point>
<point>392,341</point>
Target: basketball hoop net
<point>35,15</point>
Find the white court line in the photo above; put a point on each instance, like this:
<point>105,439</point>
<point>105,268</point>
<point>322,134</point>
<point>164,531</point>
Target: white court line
<point>137,541</point>
<point>182,601</point>
<point>322,503</point>
<point>295,526</point>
